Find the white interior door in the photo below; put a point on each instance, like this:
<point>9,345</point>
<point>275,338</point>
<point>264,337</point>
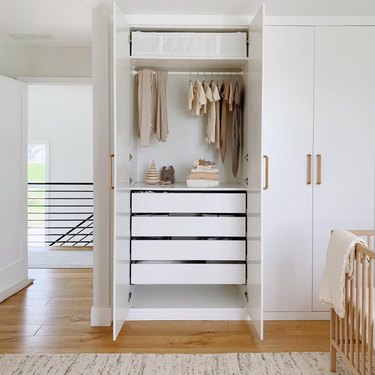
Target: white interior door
<point>344,135</point>
<point>13,187</point>
<point>253,171</point>
<point>120,176</point>
<point>288,142</point>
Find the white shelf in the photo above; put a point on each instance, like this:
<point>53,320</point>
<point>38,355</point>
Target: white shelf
<point>187,296</point>
<point>193,64</point>
<point>224,186</point>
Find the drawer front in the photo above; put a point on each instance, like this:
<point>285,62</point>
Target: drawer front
<point>188,250</point>
<point>188,202</point>
<point>143,273</point>
<point>166,226</point>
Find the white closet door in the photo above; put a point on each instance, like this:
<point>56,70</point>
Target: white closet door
<point>344,136</point>
<point>121,196</point>
<point>253,171</point>
<point>288,140</point>
<point>13,186</point>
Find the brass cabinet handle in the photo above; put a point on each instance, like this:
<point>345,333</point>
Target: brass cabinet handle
<point>111,171</point>
<point>318,169</point>
<point>308,178</point>
<point>266,163</point>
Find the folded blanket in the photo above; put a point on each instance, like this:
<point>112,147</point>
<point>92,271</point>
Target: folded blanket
<point>214,170</point>
<point>339,261</point>
<point>203,176</point>
<point>205,167</point>
<point>202,183</point>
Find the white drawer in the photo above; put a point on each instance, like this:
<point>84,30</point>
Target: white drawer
<point>198,226</point>
<point>188,250</point>
<point>188,202</point>
<point>146,273</point>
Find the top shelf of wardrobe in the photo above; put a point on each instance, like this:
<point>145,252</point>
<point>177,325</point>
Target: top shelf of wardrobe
<point>190,64</point>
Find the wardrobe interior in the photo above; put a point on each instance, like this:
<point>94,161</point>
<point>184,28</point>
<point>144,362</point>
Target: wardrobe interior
<point>184,144</point>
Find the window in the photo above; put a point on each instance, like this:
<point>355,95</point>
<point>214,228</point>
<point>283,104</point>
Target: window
<point>37,173</point>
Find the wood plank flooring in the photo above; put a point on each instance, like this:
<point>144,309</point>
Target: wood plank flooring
<point>53,316</point>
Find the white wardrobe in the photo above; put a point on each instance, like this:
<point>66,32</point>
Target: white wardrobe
<point>181,253</point>
<point>307,167</point>
<point>319,134</point>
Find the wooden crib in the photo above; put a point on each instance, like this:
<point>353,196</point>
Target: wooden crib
<point>353,336</point>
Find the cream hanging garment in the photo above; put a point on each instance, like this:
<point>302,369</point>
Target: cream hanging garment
<point>146,106</point>
<point>161,128</point>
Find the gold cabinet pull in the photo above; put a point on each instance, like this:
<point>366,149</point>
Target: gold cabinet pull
<point>266,162</point>
<point>318,169</point>
<point>111,171</point>
<point>308,178</point>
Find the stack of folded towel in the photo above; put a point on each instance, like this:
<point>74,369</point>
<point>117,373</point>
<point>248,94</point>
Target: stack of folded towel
<point>203,174</point>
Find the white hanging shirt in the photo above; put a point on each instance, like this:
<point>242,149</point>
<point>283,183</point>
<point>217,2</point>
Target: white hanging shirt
<point>199,98</point>
<point>190,96</point>
<point>211,114</point>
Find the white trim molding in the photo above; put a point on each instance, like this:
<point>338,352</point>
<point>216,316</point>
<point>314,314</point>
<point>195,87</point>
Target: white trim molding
<point>296,315</point>
<point>59,81</point>
<point>15,289</point>
<point>320,20</point>
<point>101,316</point>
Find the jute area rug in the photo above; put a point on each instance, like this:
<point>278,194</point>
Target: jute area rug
<point>170,364</point>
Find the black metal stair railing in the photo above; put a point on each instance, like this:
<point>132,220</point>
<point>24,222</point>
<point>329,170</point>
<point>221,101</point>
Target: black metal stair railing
<point>60,214</point>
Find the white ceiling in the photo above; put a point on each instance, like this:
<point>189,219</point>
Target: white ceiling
<point>70,20</point>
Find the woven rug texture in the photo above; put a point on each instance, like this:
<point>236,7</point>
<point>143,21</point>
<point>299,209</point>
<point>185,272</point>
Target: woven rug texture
<point>168,364</point>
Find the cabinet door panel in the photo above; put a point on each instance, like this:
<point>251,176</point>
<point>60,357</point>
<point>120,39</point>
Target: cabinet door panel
<point>121,86</point>
<point>287,140</point>
<point>344,136</point>
<point>13,187</point>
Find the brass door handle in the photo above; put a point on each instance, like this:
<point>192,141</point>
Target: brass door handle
<point>111,171</point>
<point>266,165</point>
<point>308,178</point>
<point>318,169</point>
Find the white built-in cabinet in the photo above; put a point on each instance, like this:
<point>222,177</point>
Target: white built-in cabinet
<point>319,134</point>
<point>344,136</point>
<point>288,140</point>
<point>182,253</point>
<point>307,167</point>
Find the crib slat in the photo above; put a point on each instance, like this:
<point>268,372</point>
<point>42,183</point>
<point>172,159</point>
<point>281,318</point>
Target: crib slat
<point>363,313</point>
<point>351,321</point>
<point>357,300</point>
<point>333,340</point>
<point>370,324</point>
<point>346,317</point>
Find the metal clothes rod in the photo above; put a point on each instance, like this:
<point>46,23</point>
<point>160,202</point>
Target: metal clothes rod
<point>135,72</point>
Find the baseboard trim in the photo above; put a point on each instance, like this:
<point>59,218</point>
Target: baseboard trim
<point>187,314</point>
<point>296,315</point>
<point>101,316</point>
<point>15,289</point>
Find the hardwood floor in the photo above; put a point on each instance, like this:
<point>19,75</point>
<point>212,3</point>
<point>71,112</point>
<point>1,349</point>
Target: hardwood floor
<point>53,316</point>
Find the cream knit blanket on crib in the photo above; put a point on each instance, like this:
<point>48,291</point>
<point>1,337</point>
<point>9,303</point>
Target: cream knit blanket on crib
<point>339,261</point>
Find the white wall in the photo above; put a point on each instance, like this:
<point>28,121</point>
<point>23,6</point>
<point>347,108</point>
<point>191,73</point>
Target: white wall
<point>63,116</point>
<point>16,61</point>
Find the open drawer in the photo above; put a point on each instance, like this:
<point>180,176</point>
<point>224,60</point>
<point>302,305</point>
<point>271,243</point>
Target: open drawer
<point>194,226</point>
<point>188,250</point>
<point>161,202</point>
<point>187,273</point>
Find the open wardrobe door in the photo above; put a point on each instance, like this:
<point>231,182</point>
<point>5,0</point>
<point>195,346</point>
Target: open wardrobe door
<point>255,171</point>
<point>121,89</point>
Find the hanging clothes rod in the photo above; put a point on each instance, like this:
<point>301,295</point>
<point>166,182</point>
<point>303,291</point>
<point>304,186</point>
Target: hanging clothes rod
<point>135,72</point>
